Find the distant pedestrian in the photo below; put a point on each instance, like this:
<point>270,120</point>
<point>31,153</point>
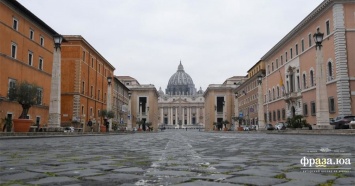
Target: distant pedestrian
<point>90,125</point>
<point>186,128</point>
<point>107,124</point>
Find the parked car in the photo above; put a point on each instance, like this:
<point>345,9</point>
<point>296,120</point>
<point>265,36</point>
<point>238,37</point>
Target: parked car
<point>69,129</point>
<point>342,122</point>
<point>269,127</point>
<point>280,126</point>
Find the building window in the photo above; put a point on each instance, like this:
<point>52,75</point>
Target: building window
<point>32,34</point>
<point>99,68</point>
<point>304,81</point>
<point>40,63</point>
<point>98,95</point>
<point>330,71</point>
<point>13,50</point>
<point>291,53</point>
<point>331,105</point>
<point>15,23</point>
<point>11,86</point>
<point>84,56</point>
<point>296,48</point>
<point>39,96</point>
<point>313,108</point>
<point>278,92</point>
<point>82,110</point>
<point>270,118</point>
<point>310,40</point>
<point>91,91</point>
<point>282,60</point>
<point>305,109</point>
<point>302,45</point>
<point>283,114</point>
<point>82,87</point>
<point>277,63</point>
<point>286,56</point>
<point>41,41</point>
<point>274,115</point>
<point>311,78</point>
<point>92,62</point>
<point>91,112</point>
<point>278,115</point>
<point>273,94</point>
<point>272,67</point>
<point>327,26</point>
<point>30,58</point>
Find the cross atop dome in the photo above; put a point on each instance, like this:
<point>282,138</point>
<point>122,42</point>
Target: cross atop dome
<point>180,68</point>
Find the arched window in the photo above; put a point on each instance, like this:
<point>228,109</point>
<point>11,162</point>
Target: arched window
<point>311,78</point>
<point>278,92</point>
<point>304,81</point>
<point>330,71</point>
<point>273,93</point>
<point>269,95</point>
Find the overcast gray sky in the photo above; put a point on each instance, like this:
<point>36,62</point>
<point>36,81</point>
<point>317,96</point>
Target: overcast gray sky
<point>146,39</point>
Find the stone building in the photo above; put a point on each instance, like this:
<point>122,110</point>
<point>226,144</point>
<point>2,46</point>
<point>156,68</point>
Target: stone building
<point>26,54</point>
<point>290,85</point>
<point>220,103</point>
<point>181,106</point>
<point>84,88</point>
<point>247,96</point>
<point>120,103</point>
<point>142,105</point>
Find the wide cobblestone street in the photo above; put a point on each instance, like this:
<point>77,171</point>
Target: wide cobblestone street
<point>172,157</point>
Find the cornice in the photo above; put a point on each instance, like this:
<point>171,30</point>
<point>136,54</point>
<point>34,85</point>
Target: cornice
<point>313,15</point>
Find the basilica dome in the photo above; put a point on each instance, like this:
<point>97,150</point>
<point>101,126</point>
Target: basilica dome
<point>180,83</point>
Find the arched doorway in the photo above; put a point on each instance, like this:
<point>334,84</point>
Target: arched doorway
<point>293,111</point>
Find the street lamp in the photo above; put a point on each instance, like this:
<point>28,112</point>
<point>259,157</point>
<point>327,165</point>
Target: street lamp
<point>261,122</point>
<point>109,80</point>
<point>129,122</point>
<point>322,109</point>
<point>57,41</point>
<point>55,101</point>
<point>318,38</point>
<point>109,105</point>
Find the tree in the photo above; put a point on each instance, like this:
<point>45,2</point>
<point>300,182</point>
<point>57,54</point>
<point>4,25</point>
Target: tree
<point>26,94</point>
<point>106,114</point>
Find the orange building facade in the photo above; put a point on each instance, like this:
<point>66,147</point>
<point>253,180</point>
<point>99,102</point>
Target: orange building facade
<point>26,53</point>
<point>289,87</point>
<point>84,87</point>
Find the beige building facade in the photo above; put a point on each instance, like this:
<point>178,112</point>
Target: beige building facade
<point>220,103</point>
<point>289,87</point>
<point>181,106</point>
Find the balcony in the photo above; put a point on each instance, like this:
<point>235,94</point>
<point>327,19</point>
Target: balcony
<point>292,96</point>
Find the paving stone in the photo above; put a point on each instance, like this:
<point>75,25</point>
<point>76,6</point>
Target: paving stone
<point>134,170</point>
<point>169,173</point>
<point>53,180</point>
<point>117,177</point>
<point>205,183</point>
<point>22,176</point>
<point>254,180</point>
<point>345,181</point>
<point>80,173</point>
<point>309,177</point>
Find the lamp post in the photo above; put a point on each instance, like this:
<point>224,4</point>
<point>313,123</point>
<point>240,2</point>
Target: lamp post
<point>261,122</point>
<point>109,102</point>
<point>322,109</point>
<point>129,122</point>
<point>54,105</point>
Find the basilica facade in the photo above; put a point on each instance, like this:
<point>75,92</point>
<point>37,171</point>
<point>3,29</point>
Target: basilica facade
<point>181,106</point>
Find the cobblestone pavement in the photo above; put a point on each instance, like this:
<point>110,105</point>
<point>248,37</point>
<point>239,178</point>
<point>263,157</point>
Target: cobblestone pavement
<point>175,157</point>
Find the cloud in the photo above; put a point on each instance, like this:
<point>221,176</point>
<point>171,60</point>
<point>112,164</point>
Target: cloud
<point>146,39</point>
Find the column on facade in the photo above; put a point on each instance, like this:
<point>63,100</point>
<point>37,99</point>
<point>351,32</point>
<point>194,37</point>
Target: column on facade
<point>190,117</point>
<point>162,115</point>
<point>170,115</point>
<point>176,117</point>
<point>197,115</point>
<point>183,116</point>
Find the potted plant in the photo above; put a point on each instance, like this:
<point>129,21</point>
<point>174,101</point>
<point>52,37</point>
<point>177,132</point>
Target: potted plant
<point>105,115</point>
<point>225,123</point>
<point>7,124</point>
<point>26,94</point>
<point>149,125</point>
<point>139,123</point>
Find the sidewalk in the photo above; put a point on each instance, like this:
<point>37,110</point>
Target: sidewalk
<point>24,135</point>
<point>297,131</point>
